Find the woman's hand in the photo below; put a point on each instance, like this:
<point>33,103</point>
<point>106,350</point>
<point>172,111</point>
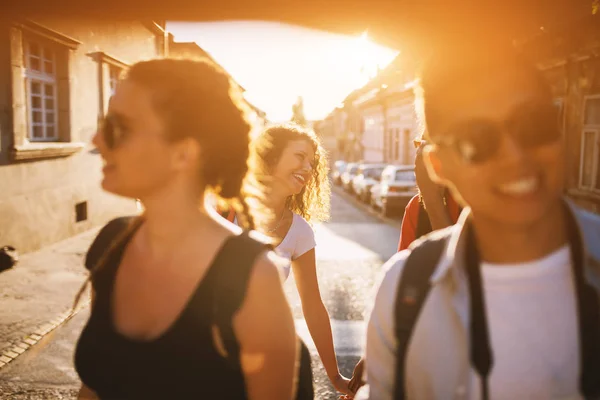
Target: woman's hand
<point>356,382</point>
<point>341,384</point>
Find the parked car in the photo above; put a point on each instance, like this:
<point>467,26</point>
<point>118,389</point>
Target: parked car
<point>336,172</point>
<point>367,176</point>
<point>349,174</point>
<point>397,186</point>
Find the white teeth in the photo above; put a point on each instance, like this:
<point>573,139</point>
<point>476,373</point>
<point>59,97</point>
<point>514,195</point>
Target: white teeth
<point>520,187</point>
<point>299,177</point>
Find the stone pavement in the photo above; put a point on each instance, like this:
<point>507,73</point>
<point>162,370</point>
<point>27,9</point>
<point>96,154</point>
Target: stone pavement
<point>38,293</point>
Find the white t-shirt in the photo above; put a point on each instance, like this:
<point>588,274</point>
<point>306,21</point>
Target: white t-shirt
<point>532,320</point>
<point>533,326</point>
<point>299,240</point>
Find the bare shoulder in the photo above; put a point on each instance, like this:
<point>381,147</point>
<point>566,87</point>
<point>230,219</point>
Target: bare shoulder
<point>266,270</point>
<point>264,296</point>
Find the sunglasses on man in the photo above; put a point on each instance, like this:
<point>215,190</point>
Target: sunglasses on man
<point>478,140</point>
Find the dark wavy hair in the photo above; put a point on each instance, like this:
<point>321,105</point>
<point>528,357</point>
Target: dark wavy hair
<point>313,202</point>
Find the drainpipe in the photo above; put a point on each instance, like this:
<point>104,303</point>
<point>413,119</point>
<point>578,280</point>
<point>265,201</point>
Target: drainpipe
<point>387,139</point>
<point>165,42</point>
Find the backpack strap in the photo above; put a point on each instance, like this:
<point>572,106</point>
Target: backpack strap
<point>410,297</point>
<point>110,232</point>
<point>233,266</point>
<point>423,223</point>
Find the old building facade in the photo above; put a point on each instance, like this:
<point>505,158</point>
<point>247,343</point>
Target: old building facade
<point>377,122</point>
<point>569,56</point>
<point>56,78</point>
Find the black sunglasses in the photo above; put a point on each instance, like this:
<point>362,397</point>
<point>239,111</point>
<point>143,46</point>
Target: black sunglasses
<point>478,140</point>
<point>112,131</point>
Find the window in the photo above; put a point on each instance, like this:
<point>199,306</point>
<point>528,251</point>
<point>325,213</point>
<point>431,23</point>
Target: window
<point>114,73</point>
<point>406,176</point>
<point>589,175</point>
<point>406,146</point>
<point>109,72</point>
<point>393,144</point>
<point>390,144</point>
<point>42,92</point>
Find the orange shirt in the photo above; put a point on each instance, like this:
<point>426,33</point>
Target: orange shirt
<point>228,214</point>
<point>411,217</point>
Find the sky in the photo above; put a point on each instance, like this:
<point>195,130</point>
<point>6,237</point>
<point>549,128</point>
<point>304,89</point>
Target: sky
<point>276,63</point>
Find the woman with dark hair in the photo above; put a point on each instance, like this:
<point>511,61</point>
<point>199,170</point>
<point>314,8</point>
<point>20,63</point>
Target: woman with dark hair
<point>289,161</point>
<point>184,305</point>
<point>431,209</point>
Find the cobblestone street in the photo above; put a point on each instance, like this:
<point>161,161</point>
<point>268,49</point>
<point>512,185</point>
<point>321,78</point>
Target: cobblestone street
<point>350,251</point>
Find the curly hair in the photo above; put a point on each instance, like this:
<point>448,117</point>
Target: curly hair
<point>313,202</point>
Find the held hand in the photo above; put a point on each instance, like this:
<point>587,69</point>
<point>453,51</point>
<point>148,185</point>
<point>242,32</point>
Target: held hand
<point>340,383</point>
<point>356,382</point>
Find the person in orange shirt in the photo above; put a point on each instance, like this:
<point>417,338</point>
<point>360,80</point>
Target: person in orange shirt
<point>431,209</point>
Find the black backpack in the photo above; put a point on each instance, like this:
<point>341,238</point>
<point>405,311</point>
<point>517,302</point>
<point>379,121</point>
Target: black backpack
<point>423,222</point>
<point>414,287</point>
<point>235,262</point>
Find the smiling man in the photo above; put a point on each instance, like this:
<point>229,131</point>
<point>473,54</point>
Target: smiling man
<point>504,304</point>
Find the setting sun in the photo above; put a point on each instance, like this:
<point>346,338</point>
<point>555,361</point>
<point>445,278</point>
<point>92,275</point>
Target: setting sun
<point>276,63</point>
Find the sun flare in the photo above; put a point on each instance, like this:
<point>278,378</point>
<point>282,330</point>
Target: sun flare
<point>276,63</point>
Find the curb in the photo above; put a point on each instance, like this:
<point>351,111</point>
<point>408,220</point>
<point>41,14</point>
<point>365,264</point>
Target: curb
<point>358,204</point>
<point>38,334</point>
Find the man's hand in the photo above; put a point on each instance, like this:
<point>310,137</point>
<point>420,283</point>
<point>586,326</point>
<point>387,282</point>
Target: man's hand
<point>356,382</point>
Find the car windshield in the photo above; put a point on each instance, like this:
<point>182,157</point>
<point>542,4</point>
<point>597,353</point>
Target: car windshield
<point>374,173</point>
<point>406,176</point>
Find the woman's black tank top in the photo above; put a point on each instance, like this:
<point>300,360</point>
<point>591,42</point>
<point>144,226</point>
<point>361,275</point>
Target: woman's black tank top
<point>181,364</point>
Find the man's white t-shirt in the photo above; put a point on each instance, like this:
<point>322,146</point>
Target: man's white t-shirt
<point>532,320</point>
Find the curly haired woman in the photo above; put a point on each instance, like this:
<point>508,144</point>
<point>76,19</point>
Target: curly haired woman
<point>290,163</point>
